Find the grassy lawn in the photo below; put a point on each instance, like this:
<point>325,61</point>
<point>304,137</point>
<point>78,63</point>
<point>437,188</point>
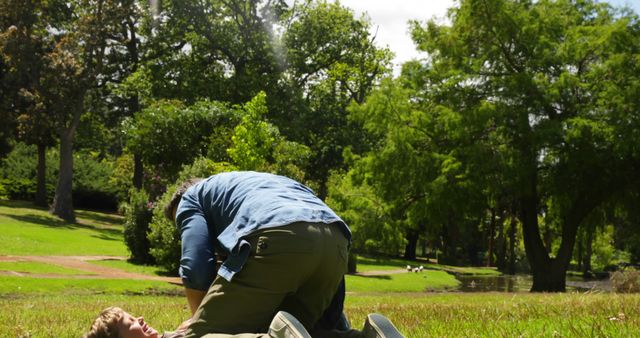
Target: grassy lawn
<point>65,307</point>
<point>417,315</point>
<point>26,286</point>
<point>25,230</point>
<point>377,263</point>
<point>404,282</point>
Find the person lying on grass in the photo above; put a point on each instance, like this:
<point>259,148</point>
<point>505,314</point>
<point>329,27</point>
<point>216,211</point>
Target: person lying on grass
<point>113,322</point>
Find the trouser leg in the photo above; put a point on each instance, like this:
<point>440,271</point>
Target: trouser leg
<point>288,263</point>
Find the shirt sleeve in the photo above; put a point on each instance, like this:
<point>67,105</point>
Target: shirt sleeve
<point>197,263</point>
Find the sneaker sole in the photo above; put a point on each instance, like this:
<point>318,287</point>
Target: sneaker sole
<point>383,326</point>
<point>292,326</point>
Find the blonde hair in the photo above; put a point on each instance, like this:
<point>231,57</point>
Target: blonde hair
<point>105,325</point>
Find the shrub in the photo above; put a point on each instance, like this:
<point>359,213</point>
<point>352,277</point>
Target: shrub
<point>3,192</point>
<point>626,281</point>
<point>164,235</point>
<point>91,186</point>
<point>18,172</point>
<point>121,179</point>
<point>138,213</point>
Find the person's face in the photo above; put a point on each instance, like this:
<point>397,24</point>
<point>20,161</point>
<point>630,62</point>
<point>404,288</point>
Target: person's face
<point>131,327</point>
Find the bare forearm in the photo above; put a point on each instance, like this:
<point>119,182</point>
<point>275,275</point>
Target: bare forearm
<point>194,297</point>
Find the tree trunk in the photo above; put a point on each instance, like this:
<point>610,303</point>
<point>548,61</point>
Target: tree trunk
<point>512,246</point>
<point>586,267</point>
<point>138,171</point>
<point>580,244</point>
<point>62,201</point>
<point>41,184</point>
<point>501,248</point>
<point>449,243</point>
<point>412,244</point>
<point>548,274</point>
<point>492,226</point>
<point>550,277</point>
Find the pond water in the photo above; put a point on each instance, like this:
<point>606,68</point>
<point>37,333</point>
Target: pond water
<point>522,283</point>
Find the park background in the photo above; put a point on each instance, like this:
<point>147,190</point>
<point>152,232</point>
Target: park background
<point>508,148</point>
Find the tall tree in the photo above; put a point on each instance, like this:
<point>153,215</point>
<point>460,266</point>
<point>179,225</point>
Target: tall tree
<point>24,44</point>
<point>543,72</point>
<point>331,61</point>
<point>417,168</point>
<point>215,49</point>
<point>73,67</point>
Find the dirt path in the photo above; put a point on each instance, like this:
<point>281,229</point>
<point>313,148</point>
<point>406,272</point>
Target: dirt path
<point>81,263</point>
<point>94,271</point>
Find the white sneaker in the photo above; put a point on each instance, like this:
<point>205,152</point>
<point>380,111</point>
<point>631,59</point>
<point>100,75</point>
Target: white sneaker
<point>285,325</point>
<point>379,326</point>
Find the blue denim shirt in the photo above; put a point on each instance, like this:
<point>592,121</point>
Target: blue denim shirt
<point>215,214</point>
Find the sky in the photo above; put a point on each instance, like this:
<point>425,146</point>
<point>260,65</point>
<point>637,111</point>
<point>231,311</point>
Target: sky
<point>390,19</point>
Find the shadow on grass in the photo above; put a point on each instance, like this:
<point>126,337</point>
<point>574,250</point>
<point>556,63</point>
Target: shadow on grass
<point>51,222</point>
<point>160,271</point>
<point>99,217</point>
<point>40,220</point>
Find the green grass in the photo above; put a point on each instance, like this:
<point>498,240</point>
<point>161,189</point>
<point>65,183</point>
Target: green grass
<point>32,286</point>
<point>382,263</point>
<point>403,282</point>
<point>25,230</point>
<point>37,267</point>
<point>504,315</point>
<point>65,307</point>
<point>417,315</point>
<point>130,267</point>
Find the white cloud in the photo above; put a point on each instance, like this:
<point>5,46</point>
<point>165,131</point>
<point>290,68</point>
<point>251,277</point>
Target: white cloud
<point>391,18</point>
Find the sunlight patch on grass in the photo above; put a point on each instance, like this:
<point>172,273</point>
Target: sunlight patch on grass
<point>25,230</point>
<point>403,282</point>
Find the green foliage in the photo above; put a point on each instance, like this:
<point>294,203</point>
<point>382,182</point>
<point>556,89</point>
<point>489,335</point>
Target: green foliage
<point>605,255</point>
<point>417,169</point>
<point>18,172</point>
<point>92,185</point>
<point>258,145</point>
<point>332,62</point>
<point>137,216</point>
<point>516,109</point>
<point>164,235</point>
<point>122,176</point>
<point>4,195</point>
<point>373,228</point>
<point>254,139</point>
<point>168,134</point>
<point>91,182</point>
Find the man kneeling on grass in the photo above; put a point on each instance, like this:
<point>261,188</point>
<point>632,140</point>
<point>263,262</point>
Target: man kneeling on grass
<point>282,255</point>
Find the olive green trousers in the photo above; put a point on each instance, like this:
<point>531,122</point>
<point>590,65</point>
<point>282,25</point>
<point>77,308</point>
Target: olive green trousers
<point>294,268</point>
